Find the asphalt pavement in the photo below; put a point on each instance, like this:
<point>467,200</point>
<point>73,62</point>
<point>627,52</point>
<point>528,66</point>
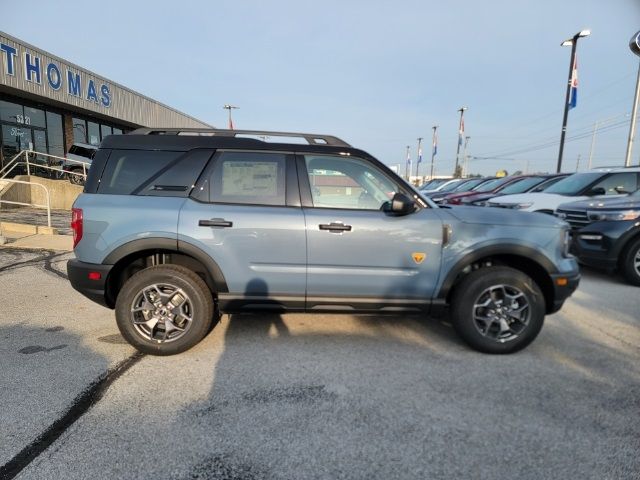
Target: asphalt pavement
<point>313,396</point>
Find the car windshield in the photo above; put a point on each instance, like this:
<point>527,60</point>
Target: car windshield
<point>521,186</point>
<point>450,187</point>
<point>491,185</point>
<point>573,184</point>
<point>433,184</point>
<point>468,185</point>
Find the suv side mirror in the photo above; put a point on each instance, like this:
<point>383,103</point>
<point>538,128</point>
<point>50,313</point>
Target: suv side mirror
<point>597,191</point>
<point>400,204</point>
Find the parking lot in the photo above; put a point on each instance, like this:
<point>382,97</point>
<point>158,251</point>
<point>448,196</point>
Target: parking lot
<point>298,396</point>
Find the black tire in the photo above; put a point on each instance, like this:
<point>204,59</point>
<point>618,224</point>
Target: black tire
<point>164,337</point>
<point>630,263</point>
<point>76,178</point>
<point>485,286</point>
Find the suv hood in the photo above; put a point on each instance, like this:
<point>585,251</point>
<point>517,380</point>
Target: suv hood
<point>617,203</point>
<point>498,216</point>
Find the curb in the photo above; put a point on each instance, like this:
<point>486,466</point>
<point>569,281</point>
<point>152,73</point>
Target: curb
<point>24,228</point>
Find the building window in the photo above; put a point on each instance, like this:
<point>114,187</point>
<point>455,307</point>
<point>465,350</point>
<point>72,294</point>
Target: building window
<point>93,133</point>
<point>79,130</point>
<point>55,135</point>
<point>104,131</point>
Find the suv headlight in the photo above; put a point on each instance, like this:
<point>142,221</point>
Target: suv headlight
<point>613,215</point>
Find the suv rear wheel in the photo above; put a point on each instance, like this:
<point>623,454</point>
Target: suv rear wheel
<point>497,310</point>
<point>631,263</point>
<point>164,310</point>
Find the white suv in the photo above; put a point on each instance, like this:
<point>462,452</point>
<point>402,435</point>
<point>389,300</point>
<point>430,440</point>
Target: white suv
<point>579,186</point>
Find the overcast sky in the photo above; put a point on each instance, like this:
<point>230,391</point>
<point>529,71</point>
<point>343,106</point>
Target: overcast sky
<point>378,74</point>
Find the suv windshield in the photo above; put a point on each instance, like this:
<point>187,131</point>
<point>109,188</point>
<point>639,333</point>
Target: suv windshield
<point>491,184</point>
<point>573,184</point>
<point>521,186</point>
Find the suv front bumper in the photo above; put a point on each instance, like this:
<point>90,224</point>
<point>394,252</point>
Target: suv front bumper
<point>563,289</point>
<point>89,279</point>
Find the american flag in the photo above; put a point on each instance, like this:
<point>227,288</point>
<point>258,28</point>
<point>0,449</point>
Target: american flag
<point>573,93</point>
<point>420,156</point>
<point>435,143</point>
<point>461,131</point>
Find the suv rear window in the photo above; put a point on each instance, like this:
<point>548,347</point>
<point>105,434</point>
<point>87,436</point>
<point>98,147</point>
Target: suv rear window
<point>127,170</point>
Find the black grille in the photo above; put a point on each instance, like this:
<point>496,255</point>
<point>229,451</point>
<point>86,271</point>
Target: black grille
<point>576,218</point>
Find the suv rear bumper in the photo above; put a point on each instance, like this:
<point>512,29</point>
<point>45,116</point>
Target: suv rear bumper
<point>93,289</point>
<point>562,292</point>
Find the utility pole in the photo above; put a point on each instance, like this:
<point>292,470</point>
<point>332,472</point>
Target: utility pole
<point>632,127</point>
<point>460,135</point>
<point>419,160</point>
<point>465,158</point>
<point>407,169</point>
<point>434,148</point>
<point>230,107</point>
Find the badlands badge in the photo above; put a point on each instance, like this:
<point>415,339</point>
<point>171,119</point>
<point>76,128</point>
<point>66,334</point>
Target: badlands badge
<point>418,257</point>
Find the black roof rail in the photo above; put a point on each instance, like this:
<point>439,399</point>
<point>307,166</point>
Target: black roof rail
<point>311,138</point>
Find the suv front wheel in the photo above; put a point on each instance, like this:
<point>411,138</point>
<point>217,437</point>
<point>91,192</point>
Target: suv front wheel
<point>497,310</point>
<point>164,310</point>
<point>631,263</point>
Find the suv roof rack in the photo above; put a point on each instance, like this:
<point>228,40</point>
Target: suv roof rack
<point>311,138</point>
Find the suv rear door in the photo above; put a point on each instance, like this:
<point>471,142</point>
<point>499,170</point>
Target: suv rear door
<point>359,256</point>
<point>245,214</point>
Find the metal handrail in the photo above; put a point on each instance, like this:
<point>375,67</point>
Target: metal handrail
<point>28,164</point>
<point>46,191</point>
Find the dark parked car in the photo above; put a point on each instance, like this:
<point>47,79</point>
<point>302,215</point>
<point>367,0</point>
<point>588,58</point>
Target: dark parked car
<point>606,233</point>
<point>468,185</point>
<point>525,184</point>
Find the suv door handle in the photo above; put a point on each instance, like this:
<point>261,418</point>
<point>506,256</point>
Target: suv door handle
<point>335,227</point>
<point>215,222</point>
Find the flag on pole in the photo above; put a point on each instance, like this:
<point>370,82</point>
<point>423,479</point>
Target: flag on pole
<point>230,124</point>
<point>573,94</point>
<point>435,143</point>
<point>408,158</point>
<point>420,156</point>
<point>461,130</point>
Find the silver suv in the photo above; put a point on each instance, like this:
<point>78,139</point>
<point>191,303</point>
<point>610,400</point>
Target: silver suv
<point>176,226</point>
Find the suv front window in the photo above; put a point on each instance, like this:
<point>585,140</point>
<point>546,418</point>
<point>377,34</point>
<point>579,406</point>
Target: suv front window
<point>344,182</point>
<point>574,184</point>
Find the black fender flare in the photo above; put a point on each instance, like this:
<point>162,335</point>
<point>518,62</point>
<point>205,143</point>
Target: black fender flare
<point>526,252</point>
<point>173,245</point>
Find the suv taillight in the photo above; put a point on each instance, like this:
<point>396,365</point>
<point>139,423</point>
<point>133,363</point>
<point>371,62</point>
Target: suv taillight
<point>76,225</point>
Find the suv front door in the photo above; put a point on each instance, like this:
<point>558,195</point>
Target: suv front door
<point>360,257</point>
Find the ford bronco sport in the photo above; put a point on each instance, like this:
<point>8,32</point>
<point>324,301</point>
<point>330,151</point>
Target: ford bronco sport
<point>177,226</point>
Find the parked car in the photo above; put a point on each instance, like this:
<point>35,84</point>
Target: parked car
<point>462,187</point>
<point>581,186</point>
<point>456,197</point>
<point>210,235</point>
<point>527,183</point>
<point>606,233</point>
<point>447,186</point>
<point>78,161</point>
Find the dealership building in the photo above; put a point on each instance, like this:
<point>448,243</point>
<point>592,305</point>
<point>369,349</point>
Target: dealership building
<point>47,104</point>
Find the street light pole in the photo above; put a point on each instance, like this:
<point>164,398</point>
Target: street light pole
<point>419,159</point>
<point>465,159</point>
<point>407,172</point>
<point>460,134</point>
<point>434,146</point>
<point>230,107</point>
<point>574,43</point>
<point>632,127</point>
